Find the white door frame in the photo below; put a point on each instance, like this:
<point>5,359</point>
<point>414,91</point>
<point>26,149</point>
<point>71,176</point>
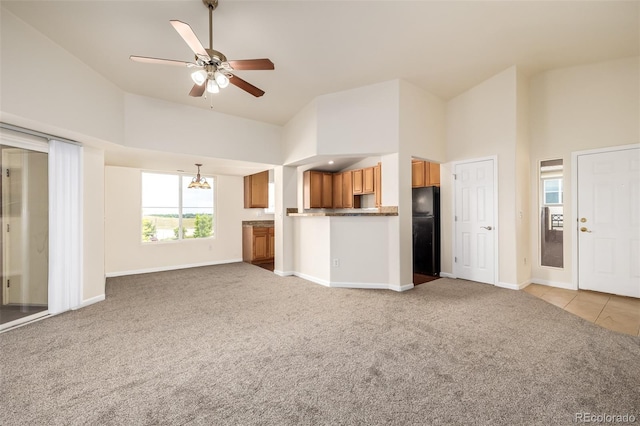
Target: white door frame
<point>575,271</point>
<point>496,227</point>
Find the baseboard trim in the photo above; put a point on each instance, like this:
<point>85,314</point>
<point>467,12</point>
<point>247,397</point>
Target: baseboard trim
<point>371,286</point>
<point>312,279</point>
<point>400,288</point>
<point>375,286</point>
<point>511,286</point>
<point>447,275</point>
<point>90,301</point>
<point>566,286</point>
<point>284,273</point>
<point>169,268</point>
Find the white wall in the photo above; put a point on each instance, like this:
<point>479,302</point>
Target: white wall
<point>125,253</point>
<point>362,121</point>
<point>286,197</point>
<point>312,241</point>
<point>300,135</point>
<point>523,183</point>
<point>93,224</point>
<point>45,88</point>
<point>422,123</point>
<point>574,109</point>
<point>482,122</point>
<point>361,246</point>
<point>164,126</point>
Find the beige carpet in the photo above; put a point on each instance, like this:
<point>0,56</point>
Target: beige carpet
<point>235,344</point>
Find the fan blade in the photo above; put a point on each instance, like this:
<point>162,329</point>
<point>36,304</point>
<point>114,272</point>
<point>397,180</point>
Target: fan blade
<point>252,64</point>
<point>147,60</point>
<point>247,87</point>
<point>191,39</point>
<point>197,91</point>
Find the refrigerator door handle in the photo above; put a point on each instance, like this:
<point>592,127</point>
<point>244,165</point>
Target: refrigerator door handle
<point>488,228</point>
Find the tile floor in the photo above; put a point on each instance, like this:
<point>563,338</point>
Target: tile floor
<point>616,313</point>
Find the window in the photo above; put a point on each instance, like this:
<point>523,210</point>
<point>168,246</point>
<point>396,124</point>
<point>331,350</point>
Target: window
<point>552,191</point>
<point>171,211</point>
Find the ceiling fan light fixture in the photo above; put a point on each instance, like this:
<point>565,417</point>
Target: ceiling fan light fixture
<point>221,79</point>
<point>212,86</point>
<point>199,77</point>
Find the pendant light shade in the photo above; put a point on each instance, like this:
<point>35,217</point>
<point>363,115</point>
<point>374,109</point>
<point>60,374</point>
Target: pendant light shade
<point>199,182</point>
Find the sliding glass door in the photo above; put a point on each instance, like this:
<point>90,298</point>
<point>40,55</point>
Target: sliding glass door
<point>25,233</point>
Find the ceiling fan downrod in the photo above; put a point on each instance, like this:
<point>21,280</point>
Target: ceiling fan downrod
<point>211,5</point>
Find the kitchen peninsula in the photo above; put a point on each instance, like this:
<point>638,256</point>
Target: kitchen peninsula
<point>348,248</point>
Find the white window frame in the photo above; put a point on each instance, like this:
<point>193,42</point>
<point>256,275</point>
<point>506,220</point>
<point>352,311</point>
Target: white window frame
<point>545,192</point>
<point>181,177</point>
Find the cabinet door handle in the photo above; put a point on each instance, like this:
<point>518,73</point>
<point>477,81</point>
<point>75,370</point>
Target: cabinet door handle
<point>488,228</point>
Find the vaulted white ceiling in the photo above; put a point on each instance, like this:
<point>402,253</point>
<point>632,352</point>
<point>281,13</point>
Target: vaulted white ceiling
<point>320,47</point>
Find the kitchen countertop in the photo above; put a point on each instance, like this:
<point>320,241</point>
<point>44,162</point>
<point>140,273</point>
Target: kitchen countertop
<point>258,223</point>
<point>382,211</point>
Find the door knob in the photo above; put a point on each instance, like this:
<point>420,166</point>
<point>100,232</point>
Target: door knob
<point>488,228</point>
<point>584,229</point>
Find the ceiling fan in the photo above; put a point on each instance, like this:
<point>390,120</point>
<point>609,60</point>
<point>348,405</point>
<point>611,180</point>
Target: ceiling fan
<point>213,70</point>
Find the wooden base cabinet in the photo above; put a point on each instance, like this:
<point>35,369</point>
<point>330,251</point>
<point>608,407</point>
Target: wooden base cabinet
<point>258,244</point>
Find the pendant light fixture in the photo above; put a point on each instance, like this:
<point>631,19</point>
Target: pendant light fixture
<point>198,181</point>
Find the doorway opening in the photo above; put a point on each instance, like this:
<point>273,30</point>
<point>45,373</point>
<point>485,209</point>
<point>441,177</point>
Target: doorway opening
<point>24,243</point>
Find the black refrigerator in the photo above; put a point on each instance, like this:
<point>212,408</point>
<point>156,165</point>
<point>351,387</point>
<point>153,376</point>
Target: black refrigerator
<point>426,230</point>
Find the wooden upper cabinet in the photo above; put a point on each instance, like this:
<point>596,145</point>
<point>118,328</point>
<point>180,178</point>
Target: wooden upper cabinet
<point>318,190</point>
<point>424,173</point>
<point>357,181</point>
<point>368,180</point>
<point>327,190</point>
<point>434,174</point>
<point>256,190</point>
<point>417,174</point>
<point>347,190</point>
<point>337,191</point>
<point>312,189</point>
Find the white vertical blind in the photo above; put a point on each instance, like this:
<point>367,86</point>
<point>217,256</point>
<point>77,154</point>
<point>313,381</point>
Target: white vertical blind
<point>65,226</point>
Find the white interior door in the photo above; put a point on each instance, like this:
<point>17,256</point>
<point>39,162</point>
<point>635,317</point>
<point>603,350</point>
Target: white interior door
<point>609,222</point>
<point>474,221</point>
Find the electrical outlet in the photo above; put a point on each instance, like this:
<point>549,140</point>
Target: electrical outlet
<point>336,263</point>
